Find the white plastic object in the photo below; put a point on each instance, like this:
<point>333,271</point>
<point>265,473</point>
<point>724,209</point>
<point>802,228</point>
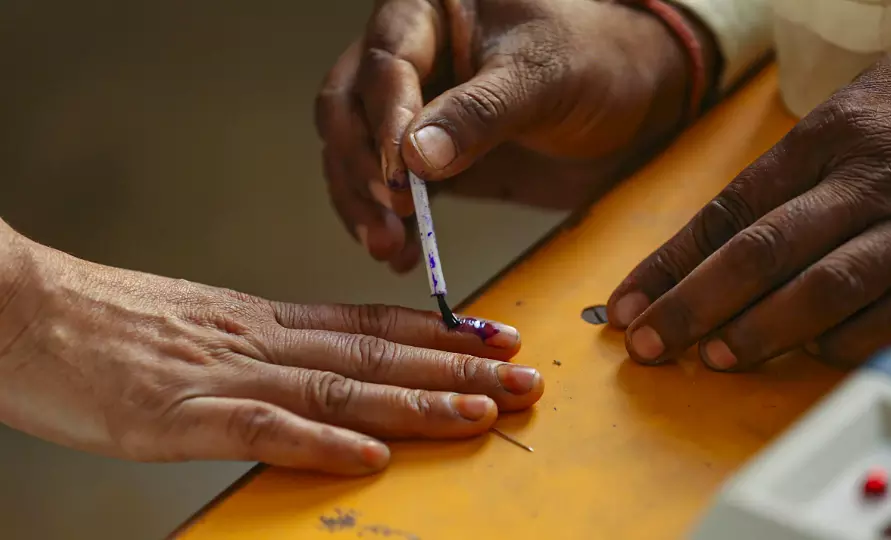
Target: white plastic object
<point>822,45</point>
<point>809,484</point>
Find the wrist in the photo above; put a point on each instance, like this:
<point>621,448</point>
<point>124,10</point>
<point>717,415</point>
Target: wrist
<point>16,271</point>
<point>708,45</point>
<point>682,75</point>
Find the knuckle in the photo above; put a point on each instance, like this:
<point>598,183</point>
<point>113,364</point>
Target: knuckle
<point>737,210</point>
<point>331,394</point>
<point>760,249</point>
<point>482,103</point>
<point>466,368</point>
<point>670,265</point>
<point>840,281</point>
<point>294,316</point>
<point>372,319</point>
<point>373,354</point>
<point>251,424</point>
<point>719,221</point>
<point>855,122</point>
<point>377,63</point>
<point>419,402</point>
<point>679,328</point>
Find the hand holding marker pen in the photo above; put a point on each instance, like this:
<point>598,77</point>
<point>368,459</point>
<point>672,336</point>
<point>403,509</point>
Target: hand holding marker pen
<point>486,331</point>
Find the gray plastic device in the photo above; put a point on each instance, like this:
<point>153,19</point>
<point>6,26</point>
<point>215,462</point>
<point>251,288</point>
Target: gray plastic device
<point>808,485</point>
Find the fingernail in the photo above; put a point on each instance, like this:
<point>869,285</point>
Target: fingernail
<point>374,455</point>
<point>647,344</point>
<point>629,308</point>
<point>398,181</point>
<point>473,408</point>
<point>517,379</point>
<point>435,146</point>
<point>717,355</point>
<point>362,233</point>
<point>493,334</point>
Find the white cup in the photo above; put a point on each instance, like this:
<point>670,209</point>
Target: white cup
<point>822,45</point>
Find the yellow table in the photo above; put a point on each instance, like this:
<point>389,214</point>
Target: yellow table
<point>621,451</point>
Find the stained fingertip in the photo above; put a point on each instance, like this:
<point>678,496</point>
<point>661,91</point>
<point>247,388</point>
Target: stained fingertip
<point>492,333</point>
<point>398,181</point>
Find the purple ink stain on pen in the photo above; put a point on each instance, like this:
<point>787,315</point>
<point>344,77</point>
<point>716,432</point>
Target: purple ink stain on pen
<point>432,260</point>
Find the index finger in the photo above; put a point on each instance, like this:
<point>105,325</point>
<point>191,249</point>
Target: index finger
<point>477,337</point>
<point>402,40</point>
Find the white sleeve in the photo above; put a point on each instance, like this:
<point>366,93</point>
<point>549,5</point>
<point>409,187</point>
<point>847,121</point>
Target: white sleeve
<point>742,29</point>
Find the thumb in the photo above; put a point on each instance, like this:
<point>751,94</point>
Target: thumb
<point>463,124</point>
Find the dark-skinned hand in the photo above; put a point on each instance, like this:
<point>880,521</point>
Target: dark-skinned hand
<point>534,101</point>
<point>795,252</point>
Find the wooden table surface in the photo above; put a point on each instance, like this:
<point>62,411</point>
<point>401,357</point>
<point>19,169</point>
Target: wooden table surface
<point>621,451</point>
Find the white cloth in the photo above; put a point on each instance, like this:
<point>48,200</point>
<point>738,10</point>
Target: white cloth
<point>742,29</point>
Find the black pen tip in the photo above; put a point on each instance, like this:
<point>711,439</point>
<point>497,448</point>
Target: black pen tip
<point>448,317</point>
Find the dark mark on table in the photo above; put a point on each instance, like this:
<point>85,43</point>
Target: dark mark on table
<point>340,521</point>
<point>595,315</point>
<point>518,303</point>
<point>348,520</point>
<point>387,532</point>
<point>557,363</point>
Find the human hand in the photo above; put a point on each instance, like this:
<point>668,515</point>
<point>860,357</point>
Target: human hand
<point>534,101</point>
<point>147,368</point>
<point>796,251</point>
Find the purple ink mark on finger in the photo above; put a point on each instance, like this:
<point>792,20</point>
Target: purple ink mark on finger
<point>482,329</point>
<point>399,181</point>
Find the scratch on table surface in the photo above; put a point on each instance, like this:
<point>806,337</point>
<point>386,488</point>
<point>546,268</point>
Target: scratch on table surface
<point>348,521</point>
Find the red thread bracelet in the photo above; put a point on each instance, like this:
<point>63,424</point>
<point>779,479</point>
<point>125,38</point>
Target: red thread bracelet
<point>688,40</point>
